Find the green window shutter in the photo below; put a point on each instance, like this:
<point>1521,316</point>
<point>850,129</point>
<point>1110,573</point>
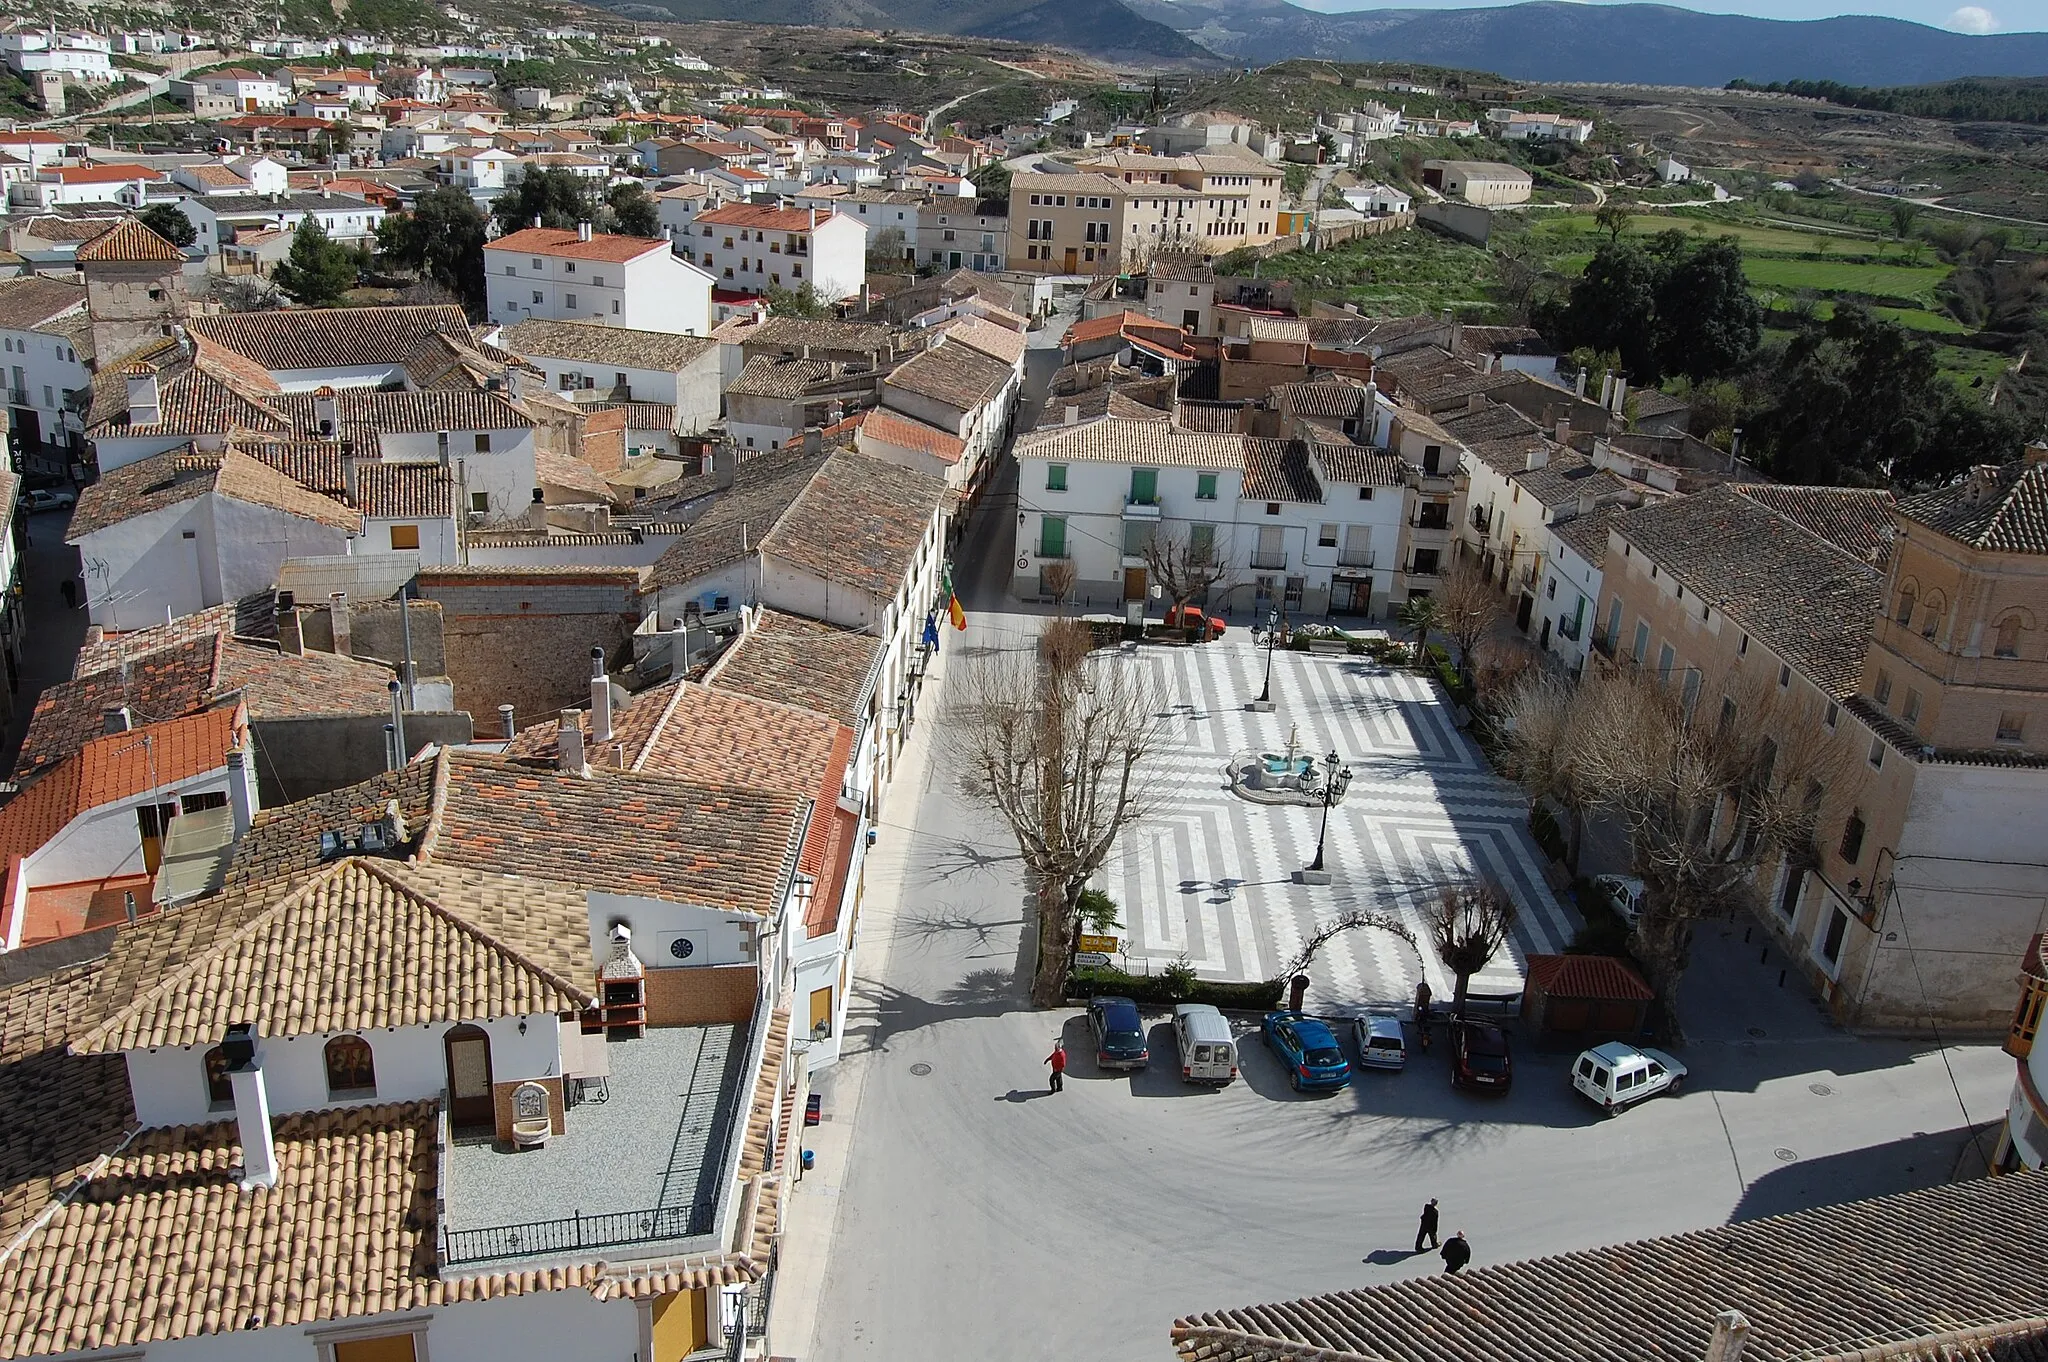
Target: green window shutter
<point>1205,487</point>
<point>1055,477</point>
<point>1144,486</point>
<point>1052,537</point>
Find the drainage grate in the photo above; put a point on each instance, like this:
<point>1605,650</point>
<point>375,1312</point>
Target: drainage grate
<point>1756,1031</point>
<point>1820,1090</point>
<point>1786,1155</point>
<point>920,1068</point>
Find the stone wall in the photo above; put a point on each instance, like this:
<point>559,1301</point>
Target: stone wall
<point>702,996</point>
<point>522,636</point>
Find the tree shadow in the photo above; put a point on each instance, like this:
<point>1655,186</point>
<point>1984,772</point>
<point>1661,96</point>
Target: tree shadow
<point>926,927</point>
<point>962,857</point>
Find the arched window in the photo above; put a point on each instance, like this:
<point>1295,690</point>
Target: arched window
<point>350,1070</point>
<point>1907,595</point>
<point>220,1091</point>
<point>2008,641</point>
<point>1931,613</point>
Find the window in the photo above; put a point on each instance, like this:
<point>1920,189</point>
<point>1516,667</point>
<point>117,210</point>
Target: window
<point>2007,643</point>
<point>1876,753</point>
<point>536,297</point>
<point>1851,849</point>
<point>597,281</point>
<point>1642,640</point>
<point>1742,647</point>
<point>479,501</point>
<point>1831,944</point>
<point>2011,725</point>
<point>204,800</point>
<point>1272,508</point>
<point>1137,536</point>
<point>1052,537</point>
<point>536,259</point>
<point>405,536</point>
<point>220,1090</point>
<point>351,1072</point>
<point>1833,716</point>
<point>1365,494</point>
<point>1907,595</point>
<point>1784,675</point>
<point>1205,487</point>
<point>1055,477</point>
<point>1613,621</point>
<point>568,300</point>
<point>1788,898</point>
<point>483,442</point>
<point>1144,486</point>
<point>1326,536</point>
<point>1727,712</point>
<point>1882,691</point>
<point>1201,543</point>
<point>1910,711</point>
<point>1665,658</point>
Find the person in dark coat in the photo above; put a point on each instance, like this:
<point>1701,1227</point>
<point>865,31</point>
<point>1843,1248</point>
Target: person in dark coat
<point>1427,1229</point>
<point>1457,1252</point>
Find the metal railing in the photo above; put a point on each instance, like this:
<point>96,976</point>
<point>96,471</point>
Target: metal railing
<point>1269,562</point>
<point>1479,519</point>
<point>577,1233</point>
<point>1603,643</point>
<point>1347,558</point>
<point>1568,627</point>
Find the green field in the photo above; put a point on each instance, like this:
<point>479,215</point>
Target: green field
<point>1963,365</point>
<point>1845,276</point>
<point>1400,274</point>
<point>1565,226</point>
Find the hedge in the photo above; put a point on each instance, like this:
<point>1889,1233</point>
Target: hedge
<point>1263,996</point>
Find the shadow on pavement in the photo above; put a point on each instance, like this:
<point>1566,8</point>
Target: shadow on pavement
<point>1924,1159</point>
<point>1391,1257</point>
<point>1025,1094</point>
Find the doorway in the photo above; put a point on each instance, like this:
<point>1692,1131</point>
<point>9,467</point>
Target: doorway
<point>469,1077</point>
<point>1073,261</point>
<point>1523,612</point>
<point>1134,584</point>
<point>153,821</point>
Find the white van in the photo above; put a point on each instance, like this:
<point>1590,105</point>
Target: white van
<point>1617,1075</point>
<point>1208,1052</point>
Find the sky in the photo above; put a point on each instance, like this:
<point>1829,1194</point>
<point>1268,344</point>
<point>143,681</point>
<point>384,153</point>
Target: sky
<point>1991,16</point>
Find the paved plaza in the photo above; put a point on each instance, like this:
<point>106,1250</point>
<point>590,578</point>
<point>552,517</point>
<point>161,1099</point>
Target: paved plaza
<point>1212,876</point>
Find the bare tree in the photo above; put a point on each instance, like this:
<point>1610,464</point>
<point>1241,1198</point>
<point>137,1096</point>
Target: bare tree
<point>243,292</point>
<point>1184,569</point>
<point>1467,608</point>
<point>1057,744</point>
<point>1468,927</point>
<point>1711,777</point>
<point>1057,579</point>
<point>1544,753</point>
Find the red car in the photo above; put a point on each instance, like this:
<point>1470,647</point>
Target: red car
<point>1479,1057</point>
<point>1191,617</point>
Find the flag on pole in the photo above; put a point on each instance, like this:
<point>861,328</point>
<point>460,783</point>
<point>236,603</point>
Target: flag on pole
<point>953,610</point>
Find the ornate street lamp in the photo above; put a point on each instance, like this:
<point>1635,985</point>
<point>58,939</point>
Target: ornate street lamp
<point>1336,779</point>
<point>1272,637</point>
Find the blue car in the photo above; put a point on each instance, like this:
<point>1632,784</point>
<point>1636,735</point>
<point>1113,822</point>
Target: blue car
<point>1119,1034</point>
<point>1311,1054</point>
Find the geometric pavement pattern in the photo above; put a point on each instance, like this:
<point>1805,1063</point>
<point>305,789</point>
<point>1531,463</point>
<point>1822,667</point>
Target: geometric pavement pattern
<point>1210,875</point>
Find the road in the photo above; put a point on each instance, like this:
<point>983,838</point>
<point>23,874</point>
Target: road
<point>931,120</point>
<point>1936,204</point>
<point>978,1216</point>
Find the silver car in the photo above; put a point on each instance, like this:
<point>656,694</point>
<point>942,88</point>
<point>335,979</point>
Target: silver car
<point>1381,1042</point>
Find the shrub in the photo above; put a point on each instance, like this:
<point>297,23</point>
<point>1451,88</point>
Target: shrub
<point>1098,912</point>
<point>1263,996</point>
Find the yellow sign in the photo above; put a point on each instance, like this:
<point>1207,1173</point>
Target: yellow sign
<point>1104,945</point>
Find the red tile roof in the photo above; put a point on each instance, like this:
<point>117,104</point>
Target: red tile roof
<point>1588,976</point>
<point>887,427</point>
<point>563,242</point>
<point>128,241</point>
<point>761,217</point>
<point>100,174</point>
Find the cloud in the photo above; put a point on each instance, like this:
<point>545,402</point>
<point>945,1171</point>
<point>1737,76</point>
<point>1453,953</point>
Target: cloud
<point>1973,19</point>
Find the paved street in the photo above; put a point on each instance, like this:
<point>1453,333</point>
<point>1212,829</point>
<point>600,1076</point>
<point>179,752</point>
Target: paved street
<point>1213,877</point>
<point>976,1216</point>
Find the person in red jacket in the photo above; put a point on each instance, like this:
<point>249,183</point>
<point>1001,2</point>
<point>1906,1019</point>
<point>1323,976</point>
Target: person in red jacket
<point>1058,1060</point>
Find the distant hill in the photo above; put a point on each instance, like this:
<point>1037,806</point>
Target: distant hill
<point>1648,44</point>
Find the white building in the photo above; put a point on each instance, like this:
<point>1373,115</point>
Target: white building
<point>42,321</point>
<point>217,218</point>
<point>751,248</point>
<point>1575,555</point>
<point>562,275</point>
<point>1673,172</point>
<point>471,169</point>
<point>250,91</point>
<point>627,365</point>
<point>57,186</point>
<point>1378,200</point>
<point>952,236</point>
<point>1513,125</point>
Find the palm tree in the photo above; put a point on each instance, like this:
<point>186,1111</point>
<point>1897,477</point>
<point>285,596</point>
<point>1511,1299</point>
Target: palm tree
<point>1420,614</point>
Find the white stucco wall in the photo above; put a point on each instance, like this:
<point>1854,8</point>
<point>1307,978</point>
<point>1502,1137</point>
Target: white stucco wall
<point>107,841</point>
<point>169,1083</point>
<point>715,936</point>
<point>1570,589</point>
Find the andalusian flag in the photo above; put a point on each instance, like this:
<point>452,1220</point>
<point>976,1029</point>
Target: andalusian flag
<point>953,610</point>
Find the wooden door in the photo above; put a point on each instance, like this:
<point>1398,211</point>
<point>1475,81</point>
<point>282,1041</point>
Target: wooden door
<point>682,1325</point>
<point>821,1010</point>
<point>1134,584</point>
<point>153,821</point>
<point>469,1077</point>
<point>390,1348</point>
<point>1073,261</point>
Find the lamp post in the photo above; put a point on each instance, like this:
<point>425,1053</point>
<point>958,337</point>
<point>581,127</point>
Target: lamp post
<point>1272,637</point>
<point>1336,778</point>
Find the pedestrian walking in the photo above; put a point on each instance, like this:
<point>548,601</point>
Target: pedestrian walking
<point>1427,1229</point>
<point>1422,996</point>
<point>1457,1252</point>
<point>1058,1060</point>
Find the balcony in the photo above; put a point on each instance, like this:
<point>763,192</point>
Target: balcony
<point>1480,521</point>
<point>1142,510</point>
<point>1568,626</point>
<point>1269,562</point>
<point>1603,644</point>
<point>1350,559</point>
<point>1053,553</point>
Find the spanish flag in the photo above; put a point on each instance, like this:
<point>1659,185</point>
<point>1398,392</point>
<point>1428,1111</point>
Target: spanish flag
<point>955,613</point>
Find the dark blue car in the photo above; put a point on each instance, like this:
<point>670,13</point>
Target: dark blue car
<point>1119,1034</point>
<point>1308,1049</point>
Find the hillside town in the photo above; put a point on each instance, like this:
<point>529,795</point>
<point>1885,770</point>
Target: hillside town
<point>596,676</point>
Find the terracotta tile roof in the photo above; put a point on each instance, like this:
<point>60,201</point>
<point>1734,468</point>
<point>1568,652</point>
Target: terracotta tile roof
<point>763,489</point>
<point>605,344</point>
<point>63,1112</point>
<point>1115,439</point>
<point>35,299</point>
<point>570,475</point>
<point>99,174</point>
<point>957,375</point>
<point>820,333</point>
<point>1328,397</point>
<point>1289,329</point>
<point>762,217</point>
<point>564,243</point>
<point>394,491</point>
<point>803,662</point>
<point>1568,477</point>
<point>1215,418</point>
<point>1362,464</point>
<point>1811,603</point>
<point>331,337</point>
<point>1587,534</point>
<point>1919,1260</point>
<point>444,409</point>
<point>778,376</point>
<point>178,475</point>
<point>858,522</point>
<point>643,415</point>
<point>893,428</point>
<point>1588,976</point>
<point>624,831</point>
<point>314,464</point>
<point>54,228</point>
<point>1493,421</point>
<point>359,944</point>
<point>1856,520</point>
<point>128,242</point>
<point>2004,509</point>
<point>997,342</point>
<point>1102,328</point>
<point>285,840</point>
<point>1279,470</point>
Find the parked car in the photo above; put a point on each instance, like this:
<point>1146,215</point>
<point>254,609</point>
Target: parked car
<point>1624,895</point>
<point>1119,1034</point>
<point>1191,617</point>
<point>1617,1075</point>
<point>49,499</point>
<point>1311,1054</point>
<point>1381,1042</point>
<point>1479,1057</point>
<point>1208,1052</point>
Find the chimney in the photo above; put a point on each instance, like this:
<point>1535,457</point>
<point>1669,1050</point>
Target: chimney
<point>326,413</point>
<point>537,513</point>
<point>291,634</point>
<point>398,722</point>
<point>349,486</point>
<point>241,790</point>
<point>145,400</point>
<point>1579,388</point>
<point>116,719</point>
<point>506,723</point>
<point>536,219</point>
<point>569,744</point>
<point>1731,1335</point>
<point>1564,430</point>
<point>600,698</point>
<point>1538,457</point>
<point>1620,395</point>
<point>337,608</point>
<point>1475,402</point>
<point>1606,389</point>
<point>252,1106</point>
<point>583,231</point>
<point>1073,414</point>
<point>2036,452</point>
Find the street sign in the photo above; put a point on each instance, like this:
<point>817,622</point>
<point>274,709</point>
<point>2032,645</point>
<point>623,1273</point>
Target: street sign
<point>1100,945</point>
<point>1090,960</point>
